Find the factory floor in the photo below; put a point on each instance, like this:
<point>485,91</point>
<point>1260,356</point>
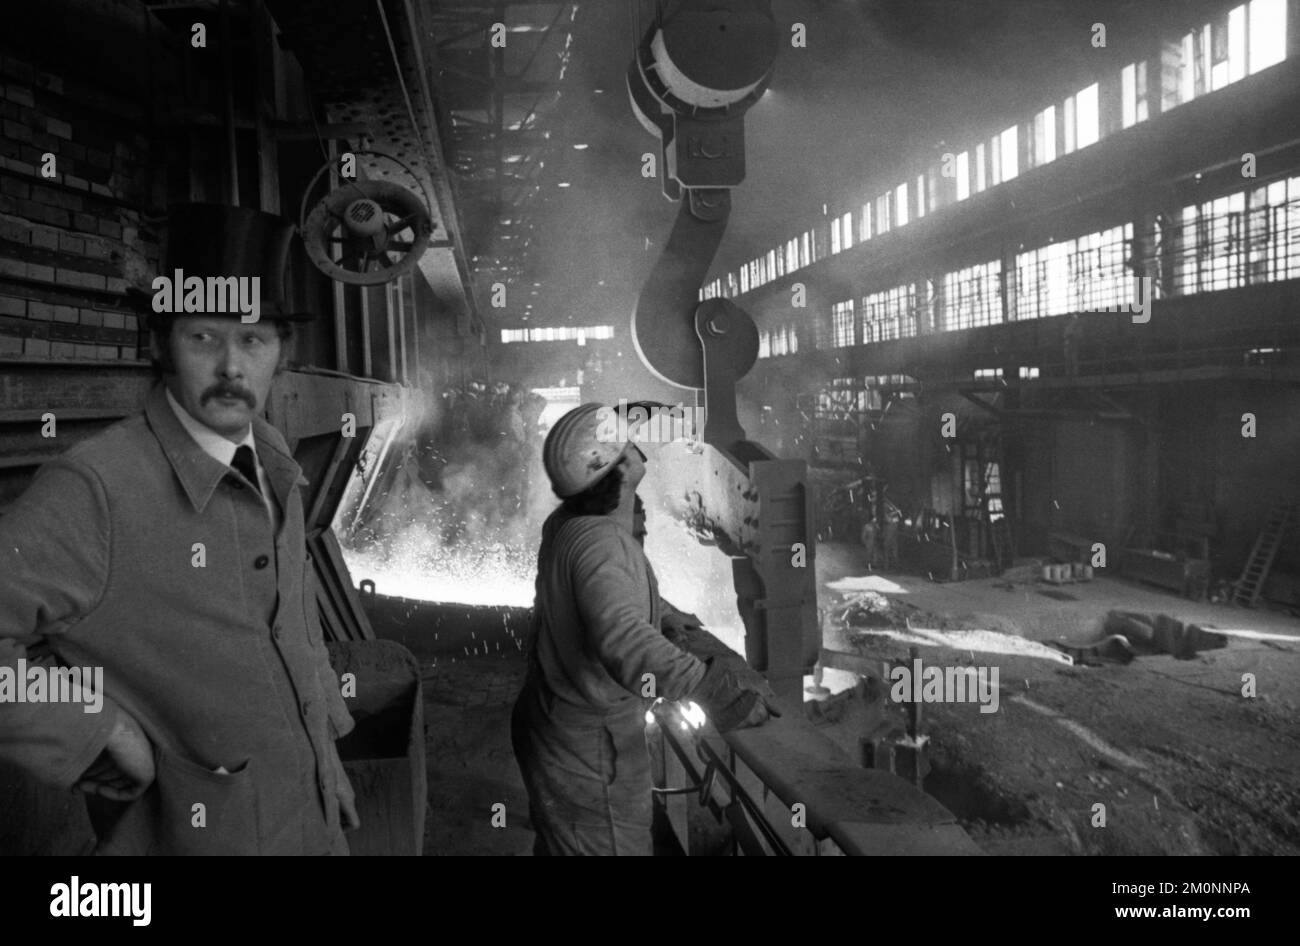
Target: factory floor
<point>1177,759</point>
<point>471,766</point>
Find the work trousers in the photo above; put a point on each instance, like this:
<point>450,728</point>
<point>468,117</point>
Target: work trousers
<point>587,776</point>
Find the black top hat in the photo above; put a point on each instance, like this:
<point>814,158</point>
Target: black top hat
<point>217,240</point>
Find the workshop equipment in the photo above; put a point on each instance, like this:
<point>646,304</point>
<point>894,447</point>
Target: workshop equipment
<point>694,74</point>
<point>693,77</point>
<point>384,754</point>
<point>900,747</point>
<point>365,232</point>
<point>715,785</point>
<point>1251,582</point>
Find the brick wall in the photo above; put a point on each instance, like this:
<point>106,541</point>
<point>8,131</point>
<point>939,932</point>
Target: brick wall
<point>71,243</point>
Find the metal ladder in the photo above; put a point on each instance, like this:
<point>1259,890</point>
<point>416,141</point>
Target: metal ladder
<point>1251,582</point>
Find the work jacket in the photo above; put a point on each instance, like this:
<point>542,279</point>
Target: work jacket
<point>597,642</point>
<point>137,552</point>
<point>597,658</point>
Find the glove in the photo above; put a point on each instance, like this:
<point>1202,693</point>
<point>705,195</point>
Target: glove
<point>676,623</point>
<point>734,699</point>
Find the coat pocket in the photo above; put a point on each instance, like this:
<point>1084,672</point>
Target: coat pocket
<point>204,812</point>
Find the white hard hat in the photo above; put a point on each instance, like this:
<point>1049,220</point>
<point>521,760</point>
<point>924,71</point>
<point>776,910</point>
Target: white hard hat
<point>581,448</point>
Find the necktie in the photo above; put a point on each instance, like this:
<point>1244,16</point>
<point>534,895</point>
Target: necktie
<point>245,464</point>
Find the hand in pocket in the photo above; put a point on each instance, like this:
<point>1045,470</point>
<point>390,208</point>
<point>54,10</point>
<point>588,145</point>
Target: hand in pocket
<point>125,768</point>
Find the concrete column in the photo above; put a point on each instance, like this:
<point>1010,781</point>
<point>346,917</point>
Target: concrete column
<point>1293,29</point>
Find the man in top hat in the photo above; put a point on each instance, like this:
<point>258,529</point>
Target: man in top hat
<point>169,550</point>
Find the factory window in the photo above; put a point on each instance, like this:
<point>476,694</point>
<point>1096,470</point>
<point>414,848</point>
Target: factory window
<point>764,343</point>
<point>805,248</point>
<point>792,255</point>
<point>1240,239</point>
<point>889,314</point>
<point>1068,125</point>
<point>1246,39</point>
<point>1043,141</point>
<point>744,279</point>
<point>776,262</point>
<point>1009,143</point>
<point>835,235</point>
<point>988,374</point>
<point>1266,37</point>
<point>884,218</point>
<point>864,231</point>
<point>1087,274</point>
<point>1133,92</point>
<point>784,341</point>
<point>963,175</point>
<point>842,325</point>
<point>973,296</point>
<point>920,196</point>
<point>1028,373</point>
<point>846,230</point>
<point>733,286</point>
<point>1087,117</point>
<point>565,333</point>
<point>981,169</point>
<point>900,205</point>
<point>1228,49</point>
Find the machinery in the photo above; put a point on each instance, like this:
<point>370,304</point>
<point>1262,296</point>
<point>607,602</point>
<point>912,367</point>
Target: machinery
<point>366,232</point>
<point>695,73</point>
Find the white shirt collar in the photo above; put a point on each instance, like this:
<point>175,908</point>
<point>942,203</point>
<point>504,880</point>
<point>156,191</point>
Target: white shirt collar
<point>209,441</point>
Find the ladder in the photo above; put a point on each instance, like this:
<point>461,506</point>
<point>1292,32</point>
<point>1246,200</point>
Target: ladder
<point>1251,582</point>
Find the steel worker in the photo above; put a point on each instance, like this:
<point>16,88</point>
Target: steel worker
<point>597,655</point>
<point>169,550</point>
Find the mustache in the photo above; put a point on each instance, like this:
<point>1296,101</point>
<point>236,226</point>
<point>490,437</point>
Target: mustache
<point>229,391</point>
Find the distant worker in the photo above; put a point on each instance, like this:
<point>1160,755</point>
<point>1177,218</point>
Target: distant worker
<point>578,726</point>
<point>889,537</point>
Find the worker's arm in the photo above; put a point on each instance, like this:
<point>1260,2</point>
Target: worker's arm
<point>611,603</point>
<point>687,631</point>
<point>731,671</point>
<point>54,565</point>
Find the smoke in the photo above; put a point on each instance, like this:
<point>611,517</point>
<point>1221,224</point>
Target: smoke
<point>693,576</point>
<point>461,520</point>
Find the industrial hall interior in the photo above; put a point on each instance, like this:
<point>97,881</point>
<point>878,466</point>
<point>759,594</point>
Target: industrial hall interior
<point>666,427</point>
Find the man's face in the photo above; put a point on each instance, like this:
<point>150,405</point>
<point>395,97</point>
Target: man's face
<point>633,464</point>
<point>223,370</point>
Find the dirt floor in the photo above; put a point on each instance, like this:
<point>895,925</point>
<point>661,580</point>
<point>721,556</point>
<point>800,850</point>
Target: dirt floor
<point>1182,762</point>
